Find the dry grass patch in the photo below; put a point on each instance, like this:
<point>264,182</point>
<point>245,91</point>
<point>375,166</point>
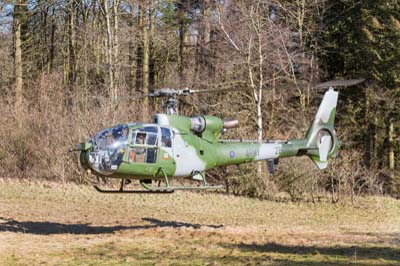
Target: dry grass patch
<point>52,224</point>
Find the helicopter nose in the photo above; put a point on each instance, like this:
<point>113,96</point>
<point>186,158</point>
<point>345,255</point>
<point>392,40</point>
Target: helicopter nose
<point>84,160</point>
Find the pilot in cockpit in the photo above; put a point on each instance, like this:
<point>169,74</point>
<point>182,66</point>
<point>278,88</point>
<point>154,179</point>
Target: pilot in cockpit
<point>140,151</point>
<point>109,139</point>
<point>124,134</point>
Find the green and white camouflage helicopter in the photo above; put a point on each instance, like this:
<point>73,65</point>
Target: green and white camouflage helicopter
<point>175,146</point>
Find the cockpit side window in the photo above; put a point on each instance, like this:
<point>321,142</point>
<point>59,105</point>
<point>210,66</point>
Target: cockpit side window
<point>152,135</point>
<point>166,137</point>
<point>145,135</point>
<point>140,138</point>
<point>151,155</point>
<point>144,141</point>
<point>151,139</point>
<point>151,129</point>
<point>137,155</point>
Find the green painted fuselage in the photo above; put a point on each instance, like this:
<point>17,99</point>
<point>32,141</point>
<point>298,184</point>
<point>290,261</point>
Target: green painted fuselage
<point>180,146</point>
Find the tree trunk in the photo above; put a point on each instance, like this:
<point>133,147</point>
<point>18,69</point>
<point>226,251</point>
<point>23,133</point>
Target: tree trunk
<point>131,58</point>
<point>203,66</point>
<point>18,21</point>
<point>110,50</point>
<point>260,88</point>
<point>71,44</point>
<point>257,94</point>
<point>42,43</point>
<point>146,57</point>
<point>50,60</point>
<point>139,52</point>
<point>272,112</point>
<point>368,144</point>
<point>391,155</point>
<point>258,98</point>
<point>116,68</point>
<point>96,40</point>
<point>182,33</point>
<point>152,71</point>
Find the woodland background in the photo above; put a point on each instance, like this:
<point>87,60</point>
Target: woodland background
<point>68,68</point>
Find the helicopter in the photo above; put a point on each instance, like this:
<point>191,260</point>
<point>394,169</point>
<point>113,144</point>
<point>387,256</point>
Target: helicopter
<point>173,146</point>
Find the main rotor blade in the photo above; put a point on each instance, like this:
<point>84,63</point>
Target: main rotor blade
<point>213,90</point>
<point>228,86</point>
<point>339,83</point>
<point>121,98</point>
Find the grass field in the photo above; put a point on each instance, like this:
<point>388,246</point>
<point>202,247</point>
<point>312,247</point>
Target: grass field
<point>54,224</point>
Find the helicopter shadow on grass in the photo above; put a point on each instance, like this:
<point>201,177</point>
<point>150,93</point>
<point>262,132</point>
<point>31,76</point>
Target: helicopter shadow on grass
<point>174,224</point>
<point>51,228</point>
<point>359,252</point>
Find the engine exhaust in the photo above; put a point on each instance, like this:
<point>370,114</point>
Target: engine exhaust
<point>230,123</point>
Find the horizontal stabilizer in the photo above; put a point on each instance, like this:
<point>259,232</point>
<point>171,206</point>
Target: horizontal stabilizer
<point>319,164</point>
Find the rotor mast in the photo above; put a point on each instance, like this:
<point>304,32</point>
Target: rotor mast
<point>171,106</point>
<point>172,103</point>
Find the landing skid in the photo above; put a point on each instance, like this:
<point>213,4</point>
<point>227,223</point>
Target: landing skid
<point>135,191</point>
<point>167,189</point>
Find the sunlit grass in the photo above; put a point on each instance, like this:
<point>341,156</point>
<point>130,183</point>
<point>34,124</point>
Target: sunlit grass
<point>51,224</point>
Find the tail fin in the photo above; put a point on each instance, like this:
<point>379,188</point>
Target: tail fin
<point>321,139</point>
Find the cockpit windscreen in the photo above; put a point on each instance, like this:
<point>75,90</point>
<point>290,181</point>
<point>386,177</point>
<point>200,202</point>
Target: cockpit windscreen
<point>108,149</point>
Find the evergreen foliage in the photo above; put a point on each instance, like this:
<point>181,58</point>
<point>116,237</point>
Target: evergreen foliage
<point>362,39</point>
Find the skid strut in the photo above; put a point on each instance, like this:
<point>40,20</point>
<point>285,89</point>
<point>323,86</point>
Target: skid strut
<point>167,189</point>
<point>135,191</point>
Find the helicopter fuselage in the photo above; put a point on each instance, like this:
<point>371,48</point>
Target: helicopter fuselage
<point>174,146</point>
<point>180,146</point>
<point>141,150</point>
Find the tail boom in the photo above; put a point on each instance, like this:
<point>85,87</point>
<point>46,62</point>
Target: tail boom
<point>320,142</point>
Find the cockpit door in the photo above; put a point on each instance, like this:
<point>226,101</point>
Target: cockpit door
<point>143,149</point>
<point>166,152</point>
<point>144,145</point>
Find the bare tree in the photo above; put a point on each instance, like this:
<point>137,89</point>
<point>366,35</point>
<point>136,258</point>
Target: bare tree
<point>104,5</point>
<point>151,35</point>
<point>251,40</point>
<point>20,20</point>
<point>203,66</point>
<point>71,43</point>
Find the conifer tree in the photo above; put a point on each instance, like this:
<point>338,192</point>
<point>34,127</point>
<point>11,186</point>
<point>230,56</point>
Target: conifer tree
<point>362,39</point>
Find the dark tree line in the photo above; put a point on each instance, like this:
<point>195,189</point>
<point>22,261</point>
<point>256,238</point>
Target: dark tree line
<point>364,42</point>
